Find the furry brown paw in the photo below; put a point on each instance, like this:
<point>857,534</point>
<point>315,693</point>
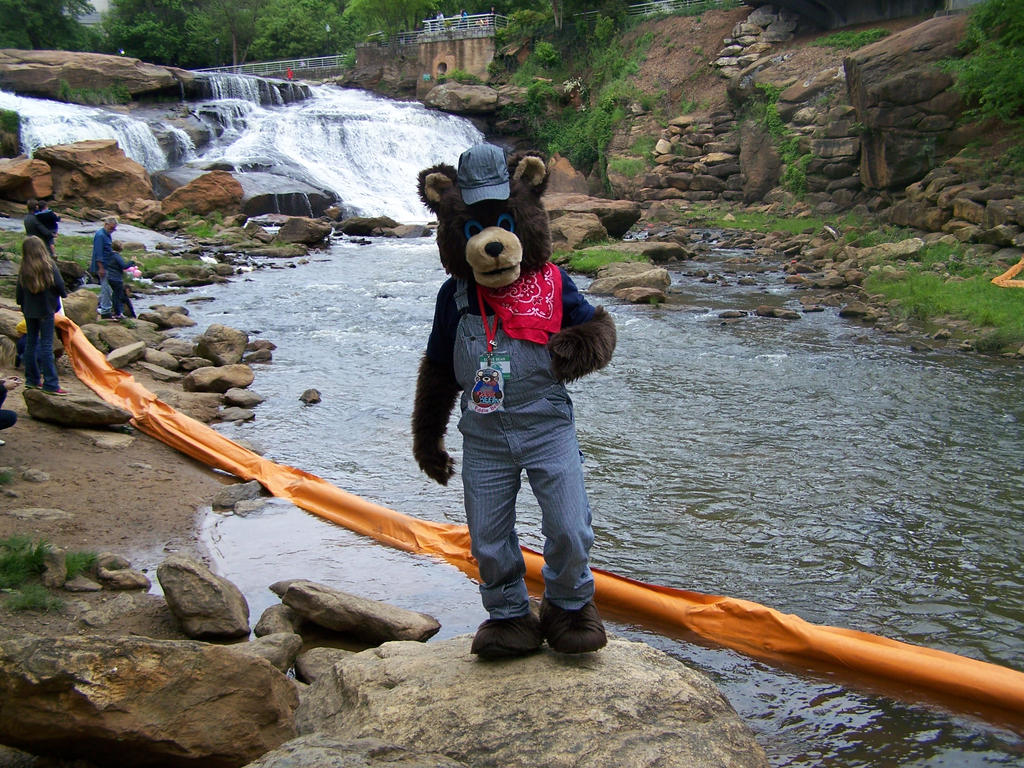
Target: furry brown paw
<point>507,638</point>
<point>572,631</point>
<point>437,465</point>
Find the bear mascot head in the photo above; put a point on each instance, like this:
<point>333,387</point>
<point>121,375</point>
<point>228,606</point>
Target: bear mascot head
<point>510,329</point>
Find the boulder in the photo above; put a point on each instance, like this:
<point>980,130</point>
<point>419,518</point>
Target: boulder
<point>317,661</point>
<point>213,191</point>
<point>894,85</point>
<point>243,398</point>
<point>80,306</point>
<point>73,410</point>
<point>617,216</point>
<point>95,173</point>
<point>48,74</point>
<point>367,226</point>
<point>650,277</point>
<point>318,750</point>
<point>573,229</point>
<point>218,379</point>
<point>299,229</point>
<point>277,619</point>
<point>655,251</point>
<point>368,620</point>
<point>279,648</point>
<point>22,179</point>
<point>205,604</point>
<point>222,345</point>
<point>229,495</point>
<point>140,702</point>
<point>627,706</point>
<point>563,178</point>
<point>264,192</point>
<point>122,357</point>
<point>462,99</point>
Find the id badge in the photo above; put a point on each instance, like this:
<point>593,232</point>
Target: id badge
<point>488,391</point>
<point>501,361</point>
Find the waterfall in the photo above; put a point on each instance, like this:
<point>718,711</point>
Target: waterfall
<point>363,151</point>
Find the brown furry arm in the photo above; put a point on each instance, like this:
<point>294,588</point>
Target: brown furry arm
<point>582,349</point>
<point>436,392</point>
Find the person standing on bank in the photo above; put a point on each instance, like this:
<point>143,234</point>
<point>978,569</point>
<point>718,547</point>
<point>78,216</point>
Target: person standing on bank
<point>39,291</point>
<point>115,267</point>
<point>50,220</point>
<point>34,227</point>
<point>102,244</point>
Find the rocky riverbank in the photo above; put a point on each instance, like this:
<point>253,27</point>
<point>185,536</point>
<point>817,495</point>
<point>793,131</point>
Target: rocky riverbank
<point>79,479</point>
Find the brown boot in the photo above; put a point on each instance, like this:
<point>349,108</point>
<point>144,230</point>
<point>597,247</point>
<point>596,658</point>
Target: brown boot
<point>507,638</point>
<point>572,631</point>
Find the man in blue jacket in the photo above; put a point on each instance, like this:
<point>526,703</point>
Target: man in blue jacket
<point>102,246</point>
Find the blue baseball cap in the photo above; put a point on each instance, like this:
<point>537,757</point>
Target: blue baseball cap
<point>483,174</point>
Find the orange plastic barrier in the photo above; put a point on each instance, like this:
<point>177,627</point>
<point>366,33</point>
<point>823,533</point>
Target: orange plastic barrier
<point>1006,280</point>
<point>739,624</point>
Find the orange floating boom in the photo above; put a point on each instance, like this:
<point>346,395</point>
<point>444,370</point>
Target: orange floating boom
<point>738,624</point>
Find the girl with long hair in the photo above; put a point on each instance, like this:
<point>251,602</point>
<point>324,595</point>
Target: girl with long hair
<point>39,291</point>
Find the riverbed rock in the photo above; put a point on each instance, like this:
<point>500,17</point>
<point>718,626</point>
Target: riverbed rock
<point>22,178</point>
<point>626,706</point>
<point>320,750</point>
<point>222,344</point>
<point>573,229</point>
<point>218,379</point>
<point>142,702</point>
<point>73,410</point>
<point>205,604</point>
<point>299,229</point>
<point>462,99</point>
<point>368,620</point>
<point>213,191</point>
<point>124,356</point>
<point>48,74</point>
<point>96,173</point>
<point>617,216</point>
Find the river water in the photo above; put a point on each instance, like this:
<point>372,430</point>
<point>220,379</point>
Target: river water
<point>809,465</point>
<point>813,466</point>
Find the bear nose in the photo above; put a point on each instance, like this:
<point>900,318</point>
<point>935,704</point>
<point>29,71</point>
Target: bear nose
<point>494,248</point>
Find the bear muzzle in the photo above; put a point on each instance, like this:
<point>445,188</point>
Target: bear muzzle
<point>495,255</point>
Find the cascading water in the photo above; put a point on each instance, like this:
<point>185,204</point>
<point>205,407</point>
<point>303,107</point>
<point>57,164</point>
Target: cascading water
<point>345,146</point>
<point>44,123</point>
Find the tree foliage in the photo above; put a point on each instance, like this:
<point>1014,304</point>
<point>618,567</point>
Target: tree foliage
<point>152,30</point>
<point>299,28</point>
<point>43,24</point>
<point>991,76</point>
<point>388,16</point>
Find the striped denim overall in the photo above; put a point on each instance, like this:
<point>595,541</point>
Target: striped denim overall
<point>535,432</point>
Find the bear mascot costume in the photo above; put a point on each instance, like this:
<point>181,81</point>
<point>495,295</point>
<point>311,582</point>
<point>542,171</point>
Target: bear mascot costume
<point>510,329</point>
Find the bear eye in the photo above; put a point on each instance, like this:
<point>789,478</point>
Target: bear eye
<point>507,222</point>
<point>472,228</point>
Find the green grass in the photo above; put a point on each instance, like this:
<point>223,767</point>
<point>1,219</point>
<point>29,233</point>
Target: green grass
<point>630,167</point>
<point>590,261</point>
<point>851,40</point>
<point>926,295</point>
<point>33,597</point>
<point>20,559</point>
<point>6,476</point>
<point>79,562</point>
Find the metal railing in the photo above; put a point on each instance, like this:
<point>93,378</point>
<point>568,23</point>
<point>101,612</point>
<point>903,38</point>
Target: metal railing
<point>299,67</point>
<point>444,28</point>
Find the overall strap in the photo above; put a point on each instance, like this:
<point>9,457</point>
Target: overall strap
<point>462,296</point>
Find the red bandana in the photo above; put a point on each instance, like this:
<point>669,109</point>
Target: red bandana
<point>531,307</point>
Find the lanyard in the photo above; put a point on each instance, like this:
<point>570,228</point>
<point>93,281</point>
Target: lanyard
<point>488,331</point>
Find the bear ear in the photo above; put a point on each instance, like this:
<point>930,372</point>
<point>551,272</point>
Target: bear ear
<point>433,183</point>
<point>531,170</point>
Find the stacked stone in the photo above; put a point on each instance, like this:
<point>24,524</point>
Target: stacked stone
<point>753,38</point>
<point>697,159</point>
<point>949,199</point>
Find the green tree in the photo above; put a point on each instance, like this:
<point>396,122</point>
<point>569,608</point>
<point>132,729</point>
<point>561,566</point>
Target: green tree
<point>152,30</point>
<point>991,77</point>
<point>225,25</point>
<point>43,24</point>
<point>388,16</point>
<point>298,28</point>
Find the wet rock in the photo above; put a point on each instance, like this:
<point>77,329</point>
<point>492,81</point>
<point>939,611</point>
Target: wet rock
<point>625,707</point>
<point>206,605</point>
<point>141,702</point>
<point>310,396</point>
<point>369,620</point>
<point>218,379</point>
<point>277,618</point>
<point>230,495</point>
<point>279,648</point>
<point>221,344</point>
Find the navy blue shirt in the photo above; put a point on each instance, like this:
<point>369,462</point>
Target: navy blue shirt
<point>441,345</point>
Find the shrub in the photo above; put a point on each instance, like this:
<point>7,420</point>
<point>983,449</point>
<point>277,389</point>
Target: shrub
<point>20,559</point>
<point>991,76</point>
<point>850,40</point>
<point>34,597</point>
<point>546,55</point>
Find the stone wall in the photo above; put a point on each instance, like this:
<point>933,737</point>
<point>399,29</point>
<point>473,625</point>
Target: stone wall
<point>438,58</point>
